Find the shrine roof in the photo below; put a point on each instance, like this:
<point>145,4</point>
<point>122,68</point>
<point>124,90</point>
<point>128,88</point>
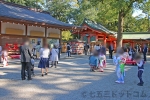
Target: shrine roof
<point>136,35</point>
<point>18,12</point>
<point>96,26</point>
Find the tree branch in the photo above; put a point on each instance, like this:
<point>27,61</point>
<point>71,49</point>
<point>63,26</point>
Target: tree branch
<point>129,7</point>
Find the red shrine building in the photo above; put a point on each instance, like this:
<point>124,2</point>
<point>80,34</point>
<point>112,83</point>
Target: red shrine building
<point>94,33</point>
<point>136,38</point>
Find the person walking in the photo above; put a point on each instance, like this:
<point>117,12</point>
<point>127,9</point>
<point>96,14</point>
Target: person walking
<point>0,54</point>
<point>54,55</point>
<point>145,49</point>
<point>137,48</point>
<point>86,49</point>
<point>59,48</point>
<point>140,65</point>
<point>68,50</point>
<point>44,59</point>
<point>26,55</point>
<point>34,52</point>
<point>111,49</point>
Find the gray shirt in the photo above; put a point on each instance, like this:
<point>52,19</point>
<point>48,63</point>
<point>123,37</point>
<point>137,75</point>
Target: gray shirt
<point>25,53</point>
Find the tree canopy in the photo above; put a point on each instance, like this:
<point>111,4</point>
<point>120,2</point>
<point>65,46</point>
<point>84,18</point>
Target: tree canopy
<point>116,15</point>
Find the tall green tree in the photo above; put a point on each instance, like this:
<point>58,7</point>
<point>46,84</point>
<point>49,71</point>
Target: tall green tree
<point>21,2</point>
<point>120,9</point>
<point>29,3</point>
<point>146,9</point>
<point>61,9</point>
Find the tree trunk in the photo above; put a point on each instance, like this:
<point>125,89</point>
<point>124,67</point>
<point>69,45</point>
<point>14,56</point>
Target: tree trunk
<point>120,28</point>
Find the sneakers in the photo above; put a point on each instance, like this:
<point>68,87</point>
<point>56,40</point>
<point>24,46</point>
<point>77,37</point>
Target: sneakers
<point>122,82</point>
<point>46,73</point>
<point>140,84</point>
<point>117,81</point>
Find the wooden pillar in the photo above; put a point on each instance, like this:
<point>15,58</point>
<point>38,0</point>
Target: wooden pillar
<point>45,36</point>
<point>60,40</point>
<point>110,41</point>
<point>104,40</point>
<point>96,38</point>
<point>81,37</point>
<point>26,31</point>
<point>0,33</point>
<point>132,44</point>
<point>114,44</point>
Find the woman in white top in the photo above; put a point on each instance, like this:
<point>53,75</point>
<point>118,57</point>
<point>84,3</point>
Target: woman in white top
<point>44,59</point>
<point>54,55</point>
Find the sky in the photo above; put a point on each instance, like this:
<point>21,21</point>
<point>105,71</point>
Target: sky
<point>137,13</point>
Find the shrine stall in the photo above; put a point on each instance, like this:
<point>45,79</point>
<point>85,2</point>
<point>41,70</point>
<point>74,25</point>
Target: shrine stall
<point>64,47</point>
<point>77,46</point>
<point>18,22</point>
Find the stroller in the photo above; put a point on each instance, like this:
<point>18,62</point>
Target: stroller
<point>32,67</point>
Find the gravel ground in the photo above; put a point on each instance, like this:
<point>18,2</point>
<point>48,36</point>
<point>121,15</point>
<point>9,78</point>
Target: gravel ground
<point>72,80</point>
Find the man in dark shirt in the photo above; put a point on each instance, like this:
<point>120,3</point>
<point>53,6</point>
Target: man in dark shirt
<point>145,49</point>
<point>69,50</point>
<point>111,49</point>
<point>25,60</point>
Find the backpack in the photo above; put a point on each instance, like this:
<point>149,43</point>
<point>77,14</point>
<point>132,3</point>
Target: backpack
<point>68,47</point>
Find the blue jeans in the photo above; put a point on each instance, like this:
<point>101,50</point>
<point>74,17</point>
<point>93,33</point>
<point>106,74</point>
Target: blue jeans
<point>140,72</point>
<point>69,53</point>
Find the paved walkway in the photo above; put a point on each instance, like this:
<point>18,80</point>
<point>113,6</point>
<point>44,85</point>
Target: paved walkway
<point>72,80</point>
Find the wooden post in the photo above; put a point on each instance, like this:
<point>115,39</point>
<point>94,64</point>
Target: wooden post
<point>96,38</point>
<point>45,36</point>
<point>114,45</point>
<point>132,44</point>
<point>60,41</point>
<point>104,40</point>
<point>81,37</point>
<point>0,33</point>
<point>26,31</point>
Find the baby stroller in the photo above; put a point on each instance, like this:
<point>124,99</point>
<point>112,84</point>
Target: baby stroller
<point>32,66</point>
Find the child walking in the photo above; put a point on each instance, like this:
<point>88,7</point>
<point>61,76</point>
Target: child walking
<point>4,57</point>
<point>102,61</point>
<point>140,64</point>
<point>120,63</point>
<point>93,61</point>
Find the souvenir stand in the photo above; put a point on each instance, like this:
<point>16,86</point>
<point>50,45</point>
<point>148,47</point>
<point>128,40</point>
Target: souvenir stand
<point>77,46</point>
<point>64,47</point>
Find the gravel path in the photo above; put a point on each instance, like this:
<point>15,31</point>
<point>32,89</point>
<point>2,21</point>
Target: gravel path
<point>72,80</point>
